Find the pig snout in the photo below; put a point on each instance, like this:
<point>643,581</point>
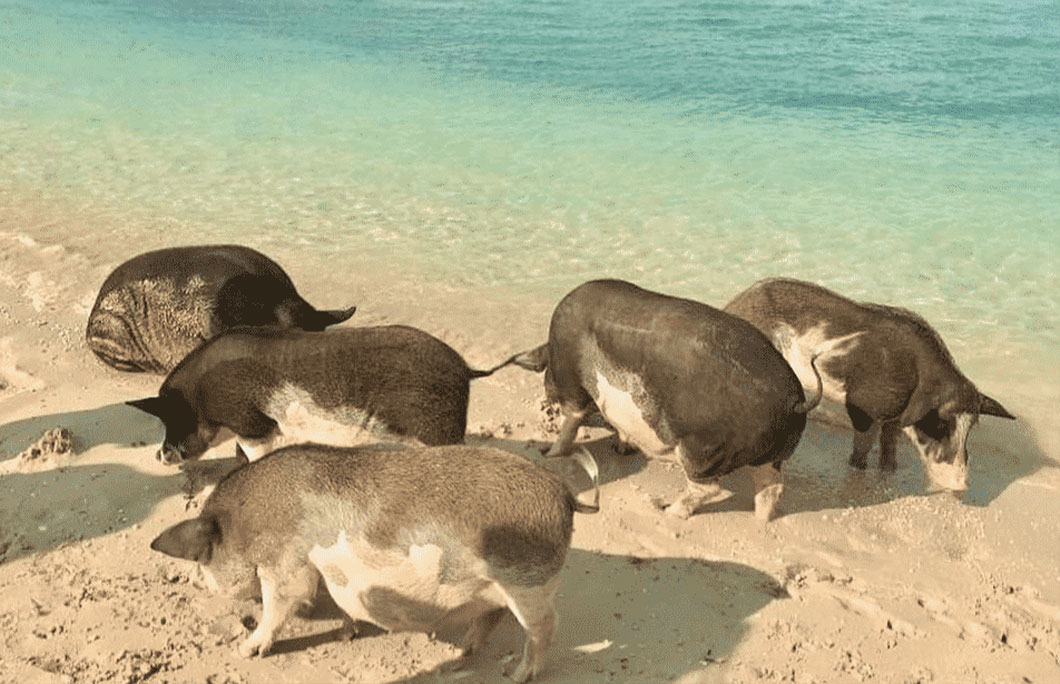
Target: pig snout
<point>952,477</point>
<point>170,455</point>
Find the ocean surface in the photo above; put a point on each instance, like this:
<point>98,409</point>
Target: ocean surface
<point>902,152</point>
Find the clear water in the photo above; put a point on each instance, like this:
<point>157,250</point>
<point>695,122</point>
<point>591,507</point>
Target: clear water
<point>901,152</point>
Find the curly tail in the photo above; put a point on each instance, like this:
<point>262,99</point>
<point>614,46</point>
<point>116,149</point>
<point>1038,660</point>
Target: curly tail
<point>793,346</point>
<point>587,462</point>
<point>810,403</point>
<point>534,360</point>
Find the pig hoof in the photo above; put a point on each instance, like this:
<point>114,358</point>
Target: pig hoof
<point>253,646</point>
<point>350,630</point>
<point>679,509</point>
<point>859,462</point>
<point>766,502</point>
<point>169,458</point>
<point>456,665</point>
<point>523,673</point>
<point>765,514</point>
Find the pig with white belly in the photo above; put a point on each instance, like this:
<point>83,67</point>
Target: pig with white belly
<point>890,370</point>
<point>274,386</point>
<point>674,376</point>
<point>403,538</point>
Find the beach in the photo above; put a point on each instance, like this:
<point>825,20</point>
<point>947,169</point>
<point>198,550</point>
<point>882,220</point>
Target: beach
<point>863,577</point>
<point>459,167</point>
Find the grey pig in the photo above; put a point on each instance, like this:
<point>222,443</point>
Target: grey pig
<point>674,376</point>
<point>403,538</point>
<point>892,373</point>
<point>343,387</point>
<point>156,307</point>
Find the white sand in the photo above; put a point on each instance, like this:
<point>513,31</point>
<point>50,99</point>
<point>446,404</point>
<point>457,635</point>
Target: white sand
<point>865,577</point>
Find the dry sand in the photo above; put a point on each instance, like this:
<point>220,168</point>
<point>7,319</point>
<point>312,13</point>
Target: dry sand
<point>864,578</point>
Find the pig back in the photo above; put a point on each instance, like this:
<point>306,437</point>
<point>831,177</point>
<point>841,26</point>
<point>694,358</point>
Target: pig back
<point>471,502</point>
<point>401,377</point>
<point>700,368</point>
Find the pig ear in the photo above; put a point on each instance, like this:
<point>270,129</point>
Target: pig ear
<point>333,316</point>
<point>192,539</point>
<point>156,406</point>
<point>314,320</point>
<point>992,407</point>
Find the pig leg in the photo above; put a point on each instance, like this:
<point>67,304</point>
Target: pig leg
<point>475,637</point>
<point>623,446</point>
<point>698,492</point>
<point>281,592</point>
<point>889,446</point>
<point>768,488</point>
<point>573,415</point>
<point>863,440</point>
<point>697,495</point>
<point>481,619</point>
<point>256,433</point>
<point>533,609</point>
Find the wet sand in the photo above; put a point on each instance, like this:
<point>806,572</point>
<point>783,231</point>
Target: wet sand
<point>865,577</point>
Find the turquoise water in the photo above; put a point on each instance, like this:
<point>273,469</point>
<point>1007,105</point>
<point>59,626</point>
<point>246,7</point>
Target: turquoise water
<point>902,152</point>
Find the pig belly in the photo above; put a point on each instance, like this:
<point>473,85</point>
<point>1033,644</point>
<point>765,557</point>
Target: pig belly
<point>396,591</point>
<point>621,410</point>
<point>299,419</point>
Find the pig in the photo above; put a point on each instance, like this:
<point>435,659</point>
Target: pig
<point>896,376</point>
<point>273,386</point>
<point>674,377</point>
<point>155,308</point>
<point>403,538</point>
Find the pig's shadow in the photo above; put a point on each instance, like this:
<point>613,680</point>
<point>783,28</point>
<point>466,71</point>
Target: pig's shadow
<point>54,500</point>
<point>679,614</point>
<point>817,477</point>
<point>111,424</point>
<point>43,510</point>
<point>675,614</point>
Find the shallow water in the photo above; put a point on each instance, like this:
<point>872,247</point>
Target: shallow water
<point>897,153</point>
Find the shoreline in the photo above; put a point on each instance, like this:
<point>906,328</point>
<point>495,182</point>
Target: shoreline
<point>925,589</point>
<point>60,277</point>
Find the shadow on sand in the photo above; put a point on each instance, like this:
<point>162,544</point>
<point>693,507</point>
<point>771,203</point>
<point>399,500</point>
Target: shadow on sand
<point>55,500</point>
<point>111,424</point>
<point>613,464</point>
<point>678,615</point>
<point>44,510</point>
<point>818,478</point>
<point>675,615</point>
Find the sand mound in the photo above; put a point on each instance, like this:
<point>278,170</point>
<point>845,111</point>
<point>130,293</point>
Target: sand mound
<point>55,441</point>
